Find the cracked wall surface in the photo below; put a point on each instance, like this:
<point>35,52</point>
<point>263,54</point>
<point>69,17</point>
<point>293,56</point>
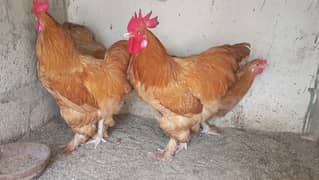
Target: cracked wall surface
<point>24,104</point>
<point>285,32</point>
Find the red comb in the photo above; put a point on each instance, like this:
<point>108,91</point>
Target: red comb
<point>40,6</point>
<point>150,23</point>
<point>140,21</point>
<point>262,62</point>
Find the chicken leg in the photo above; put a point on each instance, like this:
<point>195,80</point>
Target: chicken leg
<point>99,135</point>
<point>168,152</point>
<point>209,129</point>
<point>77,140</point>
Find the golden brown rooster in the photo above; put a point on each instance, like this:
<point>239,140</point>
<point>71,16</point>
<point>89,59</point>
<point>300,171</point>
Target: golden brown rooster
<point>185,91</point>
<point>87,90</point>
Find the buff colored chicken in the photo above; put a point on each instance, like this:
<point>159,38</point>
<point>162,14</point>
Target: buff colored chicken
<point>89,91</point>
<point>186,91</point>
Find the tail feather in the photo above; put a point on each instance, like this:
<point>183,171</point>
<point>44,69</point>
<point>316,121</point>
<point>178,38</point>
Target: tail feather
<point>246,76</point>
<point>240,51</point>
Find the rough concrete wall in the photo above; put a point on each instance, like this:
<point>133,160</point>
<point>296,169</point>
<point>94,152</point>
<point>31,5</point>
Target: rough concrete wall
<point>24,105</point>
<point>284,32</point>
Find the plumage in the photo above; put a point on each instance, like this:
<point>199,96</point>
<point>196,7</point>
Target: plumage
<point>186,91</point>
<point>86,89</point>
<point>84,40</point>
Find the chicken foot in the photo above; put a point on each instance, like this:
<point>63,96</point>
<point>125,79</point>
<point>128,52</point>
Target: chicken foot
<point>171,149</point>
<point>99,135</point>
<point>180,147</point>
<point>74,143</point>
<point>167,153</point>
<point>209,129</point>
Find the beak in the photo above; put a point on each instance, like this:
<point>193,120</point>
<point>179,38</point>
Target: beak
<point>127,35</point>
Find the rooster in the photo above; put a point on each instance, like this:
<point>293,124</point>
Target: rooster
<point>89,91</point>
<point>185,91</point>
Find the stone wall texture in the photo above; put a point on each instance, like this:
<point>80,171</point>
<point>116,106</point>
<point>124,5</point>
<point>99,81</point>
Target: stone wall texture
<point>284,32</point>
<point>24,104</point>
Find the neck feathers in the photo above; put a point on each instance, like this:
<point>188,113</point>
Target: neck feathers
<point>55,48</point>
<point>153,66</point>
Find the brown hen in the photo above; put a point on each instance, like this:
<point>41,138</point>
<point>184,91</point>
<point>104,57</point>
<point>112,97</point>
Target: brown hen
<point>87,90</point>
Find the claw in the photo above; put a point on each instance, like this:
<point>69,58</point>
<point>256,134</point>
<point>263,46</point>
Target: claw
<point>159,154</point>
<point>77,140</point>
<point>167,153</point>
<point>96,141</point>
<point>180,147</point>
<point>99,135</point>
<point>209,130</point>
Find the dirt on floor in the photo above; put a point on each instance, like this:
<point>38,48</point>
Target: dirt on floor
<point>234,155</point>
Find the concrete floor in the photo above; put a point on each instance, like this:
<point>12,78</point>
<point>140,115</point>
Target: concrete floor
<point>234,155</point>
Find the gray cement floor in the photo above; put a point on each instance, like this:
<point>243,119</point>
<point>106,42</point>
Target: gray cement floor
<point>234,155</point>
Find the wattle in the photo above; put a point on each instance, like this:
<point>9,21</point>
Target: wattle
<point>38,26</point>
